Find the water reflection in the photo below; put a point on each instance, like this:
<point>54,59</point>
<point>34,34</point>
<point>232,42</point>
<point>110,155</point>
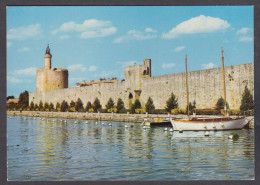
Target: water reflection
<point>51,149</point>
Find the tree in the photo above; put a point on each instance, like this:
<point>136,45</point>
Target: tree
<point>10,97</point>
<point>24,99</point>
<point>191,106</point>
<point>46,106</point>
<point>96,105</point>
<point>72,104</point>
<point>51,106</point>
<point>11,106</point>
<point>64,105</point>
<point>120,106</point>
<point>36,107</point>
<point>149,106</point>
<point>220,104</point>
<point>110,104</point>
<point>57,105</point>
<point>136,105</point>
<point>40,105</point>
<point>79,104</point>
<point>88,106</point>
<point>194,105</point>
<point>31,106</point>
<point>247,102</point>
<point>132,109</point>
<point>171,103</point>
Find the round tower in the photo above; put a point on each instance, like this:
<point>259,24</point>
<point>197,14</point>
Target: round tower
<point>47,57</point>
<point>48,78</point>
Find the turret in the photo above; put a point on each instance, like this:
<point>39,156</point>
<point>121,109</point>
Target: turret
<point>47,57</point>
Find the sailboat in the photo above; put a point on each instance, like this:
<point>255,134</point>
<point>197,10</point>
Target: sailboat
<point>209,123</point>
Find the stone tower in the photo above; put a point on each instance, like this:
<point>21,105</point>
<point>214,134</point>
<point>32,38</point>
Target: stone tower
<point>133,79</point>
<point>48,78</point>
<point>47,57</point>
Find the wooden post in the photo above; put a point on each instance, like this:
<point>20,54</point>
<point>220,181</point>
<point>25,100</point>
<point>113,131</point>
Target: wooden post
<point>187,88</point>
<point>224,86</point>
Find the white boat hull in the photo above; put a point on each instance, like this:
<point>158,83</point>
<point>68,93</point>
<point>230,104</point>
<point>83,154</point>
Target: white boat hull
<point>184,125</point>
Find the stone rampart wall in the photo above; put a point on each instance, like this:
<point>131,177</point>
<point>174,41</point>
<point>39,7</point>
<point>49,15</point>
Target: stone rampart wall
<point>205,87</point>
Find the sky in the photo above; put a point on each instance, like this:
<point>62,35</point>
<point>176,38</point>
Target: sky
<point>95,42</point>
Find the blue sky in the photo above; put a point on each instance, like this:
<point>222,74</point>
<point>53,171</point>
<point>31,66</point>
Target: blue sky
<point>95,42</point>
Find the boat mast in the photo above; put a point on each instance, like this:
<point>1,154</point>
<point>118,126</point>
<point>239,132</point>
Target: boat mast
<point>224,86</point>
<point>187,88</point>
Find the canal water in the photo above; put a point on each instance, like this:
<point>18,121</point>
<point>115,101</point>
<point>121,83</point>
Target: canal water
<point>47,150</point>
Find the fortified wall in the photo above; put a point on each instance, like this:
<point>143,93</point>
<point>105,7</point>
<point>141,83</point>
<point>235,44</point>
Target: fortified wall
<point>205,87</point>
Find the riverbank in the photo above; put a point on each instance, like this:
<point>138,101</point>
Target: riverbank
<point>95,116</point>
<point>137,118</point>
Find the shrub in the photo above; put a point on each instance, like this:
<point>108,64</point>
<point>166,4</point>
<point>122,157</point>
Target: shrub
<point>171,103</point>
<point>234,111</point>
<point>72,109</point>
<point>159,111</point>
<point>91,110</point>
<point>207,112</point>
<point>112,110</point>
<point>140,111</point>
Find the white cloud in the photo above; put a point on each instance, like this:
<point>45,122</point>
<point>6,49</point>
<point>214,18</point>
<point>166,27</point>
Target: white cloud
<point>77,67</point>
<point>24,49</point>
<point>180,48</point>
<point>168,65</point>
<point>92,68</point>
<point>126,64</point>
<point>245,39</point>
<point>9,44</point>
<point>243,31</point>
<point>208,66</point>
<point>90,28</point>
<point>106,74</point>
<point>28,71</point>
<point>62,37</point>
<point>150,30</point>
<point>11,79</point>
<point>200,24</point>
<point>135,35</point>
<point>24,32</point>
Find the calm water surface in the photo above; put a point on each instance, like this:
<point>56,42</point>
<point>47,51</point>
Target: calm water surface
<point>54,150</point>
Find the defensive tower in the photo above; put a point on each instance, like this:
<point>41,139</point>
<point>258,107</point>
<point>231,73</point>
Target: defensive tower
<point>48,78</point>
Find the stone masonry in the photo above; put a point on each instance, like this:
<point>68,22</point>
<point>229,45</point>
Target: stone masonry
<point>205,87</point>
